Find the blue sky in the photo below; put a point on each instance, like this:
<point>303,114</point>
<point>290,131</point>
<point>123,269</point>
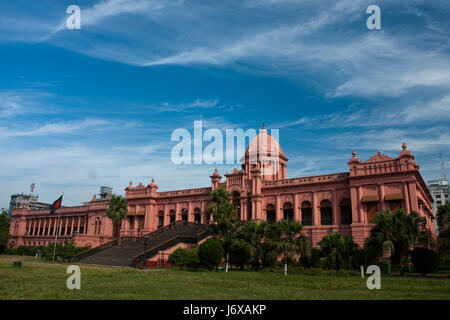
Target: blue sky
<point>97,106</point>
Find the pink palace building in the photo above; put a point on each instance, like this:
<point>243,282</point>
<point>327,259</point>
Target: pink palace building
<point>344,202</point>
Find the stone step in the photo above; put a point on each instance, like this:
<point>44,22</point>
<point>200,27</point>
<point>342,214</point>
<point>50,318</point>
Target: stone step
<point>123,254</point>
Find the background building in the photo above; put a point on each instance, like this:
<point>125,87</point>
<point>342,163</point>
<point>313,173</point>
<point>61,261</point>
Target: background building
<point>26,201</point>
<point>439,190</point>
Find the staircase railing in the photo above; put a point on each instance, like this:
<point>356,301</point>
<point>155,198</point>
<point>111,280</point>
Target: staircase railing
<point>109,244</point>
<point>139,260</point>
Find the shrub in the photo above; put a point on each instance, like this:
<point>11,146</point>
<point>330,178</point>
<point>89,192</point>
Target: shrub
<point>313,261</point>
<point>182,257</point>
<point>424,260</point>
<point>239,256</point>
<point>210,253</point>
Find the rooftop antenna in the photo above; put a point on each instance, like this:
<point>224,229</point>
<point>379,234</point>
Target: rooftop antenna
<point>443,175</point>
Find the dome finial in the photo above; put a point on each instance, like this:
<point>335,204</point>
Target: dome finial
<point>263,126</point>
<point>404,146</point>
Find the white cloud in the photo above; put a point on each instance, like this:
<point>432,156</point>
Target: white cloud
<point>21,101</point>
<point>57,128</point>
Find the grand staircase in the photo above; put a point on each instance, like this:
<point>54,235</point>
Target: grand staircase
<point>133,251</point>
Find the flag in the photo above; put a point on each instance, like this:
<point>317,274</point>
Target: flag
<point>56,205</point>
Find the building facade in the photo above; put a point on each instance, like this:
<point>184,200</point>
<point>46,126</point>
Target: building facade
<point>344,202</point>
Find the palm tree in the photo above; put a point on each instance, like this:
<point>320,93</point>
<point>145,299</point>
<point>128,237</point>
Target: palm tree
<point>398,232</point>
<point>222,210</point>
<point>288,241</point>
<point>117,211</point>
<point>250,237</point>
<point>333,247</point>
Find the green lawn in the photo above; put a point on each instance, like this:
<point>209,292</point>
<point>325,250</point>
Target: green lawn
<point>44,280</point>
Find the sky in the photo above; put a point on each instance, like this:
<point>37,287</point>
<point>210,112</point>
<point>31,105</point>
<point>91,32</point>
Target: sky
<point>97,106</point>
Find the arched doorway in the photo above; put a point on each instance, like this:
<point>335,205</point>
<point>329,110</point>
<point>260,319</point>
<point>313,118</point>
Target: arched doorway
<point>184,214</point>
<point>306,213</point>
<point>237,204</point>
<point>160,219</point>
<point>270,213</point>
<point>346,211</point>
<point>197,215</point>
<point>172,216</point>
<point>288,212</point>
<point>326,213</point>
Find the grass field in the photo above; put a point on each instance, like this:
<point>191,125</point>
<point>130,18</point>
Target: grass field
<point>44,280</point>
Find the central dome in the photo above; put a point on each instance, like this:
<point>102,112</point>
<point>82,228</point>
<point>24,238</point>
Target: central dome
<point>265,154</point>
<point>263,145</point>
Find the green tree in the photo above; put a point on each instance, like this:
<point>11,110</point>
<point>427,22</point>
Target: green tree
<point>424,260</point>
<point>398,232</point>
<point>288,241</point>
<point>337,250</point>
<point>210,253</point>
<point>373,250</point>
<point>183,257</point>
<point>222,210</point>
<point>443,222</point>
<point>250,238</point>
<point>117,211</point>
<point>4,230</point>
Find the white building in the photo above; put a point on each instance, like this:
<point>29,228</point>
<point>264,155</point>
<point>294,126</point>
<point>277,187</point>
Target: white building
<point>439,190</point>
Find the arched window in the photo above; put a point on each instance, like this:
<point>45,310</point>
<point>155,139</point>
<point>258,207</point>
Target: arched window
<point>346,211</point>
<point>288,212</point>
<point>131,222</point>
<point>326,213</point>
<point>184,214</point>
<point>306,213</point>
<point>197,215</point>
<point>237,204</point>
<point>270,213</point>
<point>160,218</point>
<point>171,216</point>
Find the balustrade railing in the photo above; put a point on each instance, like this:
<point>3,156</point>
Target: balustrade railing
<point>139,260</point>
<point>109,244</point>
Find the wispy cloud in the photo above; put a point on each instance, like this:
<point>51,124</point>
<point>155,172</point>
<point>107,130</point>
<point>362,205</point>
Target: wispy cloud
<point>111,8</point>
<point>57,128</point>
<point>197,104</point>
<point>398,113</point>
<point>23,101</point>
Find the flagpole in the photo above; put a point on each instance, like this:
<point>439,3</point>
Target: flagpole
<point>57,229</point>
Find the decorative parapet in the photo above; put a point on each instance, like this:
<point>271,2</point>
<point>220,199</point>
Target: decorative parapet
<point>382,164</point>
<point>338,177</point>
